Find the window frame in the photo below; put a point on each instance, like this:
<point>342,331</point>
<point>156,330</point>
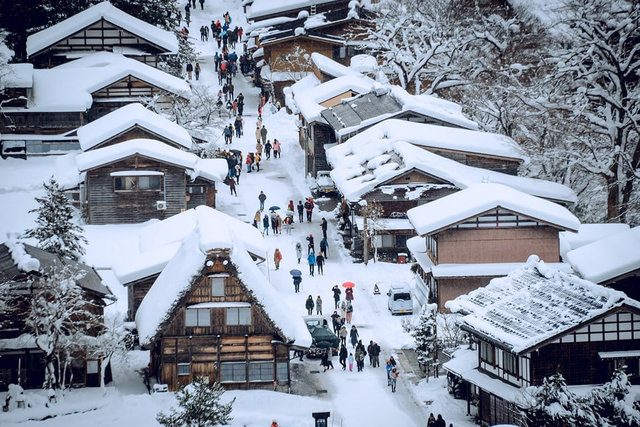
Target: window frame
<point>233,313</point>
<point>135,180</point>
<point>200,317</point>
<point>183,365</point>
<point>510,363</point>
<point>237,368</point>
<point>486,349</point>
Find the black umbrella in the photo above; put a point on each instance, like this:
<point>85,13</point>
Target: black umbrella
<point>295,273</point>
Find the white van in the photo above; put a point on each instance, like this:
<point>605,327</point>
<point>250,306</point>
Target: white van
<point>400,299</point>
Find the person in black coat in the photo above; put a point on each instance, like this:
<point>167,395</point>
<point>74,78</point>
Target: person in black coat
<point>309,304</point>
<point>440,422</point>
<point>296,283</point>
<point>300,211</point>
<point>343,357</point>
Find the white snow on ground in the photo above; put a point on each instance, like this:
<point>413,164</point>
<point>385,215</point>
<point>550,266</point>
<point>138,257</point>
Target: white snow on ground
<point>354,399</point>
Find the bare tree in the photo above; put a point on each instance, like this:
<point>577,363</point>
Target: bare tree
<point>373,223</point>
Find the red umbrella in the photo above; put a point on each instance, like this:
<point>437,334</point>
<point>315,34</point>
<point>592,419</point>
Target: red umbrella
<point>348,285</point>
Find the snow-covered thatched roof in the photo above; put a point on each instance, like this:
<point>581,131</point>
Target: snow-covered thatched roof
<point>209,229</point>
<point>125,118</point>
<point>163,39</point>
<point>480,198</point>
<point>608,258</point>
<point>71,166</point>
<point>533,305</point>
<point>392,148</point>
<point>69,87</point>
<point>18,259</point>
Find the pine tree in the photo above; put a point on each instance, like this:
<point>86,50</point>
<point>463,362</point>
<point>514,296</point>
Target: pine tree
<point>199,406</point>
<point>55,231</point>
<point>609,401</point>
<point>554,405</point>
<point>424,334</point>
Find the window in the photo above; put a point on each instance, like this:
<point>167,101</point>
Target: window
<point>184,369</point>
<point>383,240</point>
<point>137,183</point>
<point>217,286</point>
<point>401,241</point>
<point>509,363</point>
<point>92,366</point>
<point>233,372</point>
<point>487,352</point>
<point>239,316</point>
<point>261,371</point>
<point>198,317</point>
<point>282,371</point>
<point>195,189</point>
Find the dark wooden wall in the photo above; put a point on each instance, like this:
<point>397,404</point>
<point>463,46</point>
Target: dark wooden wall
<point>105,206</point>
<point>136,132</point>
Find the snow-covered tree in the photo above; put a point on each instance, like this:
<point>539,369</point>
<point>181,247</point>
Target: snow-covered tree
<point>60,318</point>
<point>55,231</point>
<point>111,341</point>
<point>373,222</point>
<point>594,83</point>
<point>553,405</point>
<point>424,334</point>
<point>199,406</point>
<point>175,64</point>
<point>613,403</point>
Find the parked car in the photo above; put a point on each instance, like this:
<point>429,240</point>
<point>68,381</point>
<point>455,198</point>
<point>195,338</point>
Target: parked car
<point>322,336</point>
<point>400,299</point>
<point>324,183</point>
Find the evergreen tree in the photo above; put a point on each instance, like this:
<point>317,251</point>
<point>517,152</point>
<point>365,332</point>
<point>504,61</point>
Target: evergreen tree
<point>424,334</point>
<point>610,403</point>
<point>55,229</point>
<point>554,405</point>
<point>199,406</point>
<point>174,64</point>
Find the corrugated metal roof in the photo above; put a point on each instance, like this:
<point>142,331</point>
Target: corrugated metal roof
<point>356,110</point>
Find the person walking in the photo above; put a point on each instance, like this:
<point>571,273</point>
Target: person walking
<point>369,352</point>
<point>354,336</point>
<point>296,283</point>
<point>323,226</point>
<point>277,149</point>
<point>197,69</point>
<point>274,423</point>
<point>311,259</point>
<point>257,160</point>
<point>265,225</point>
<point>343,357</point>
<point>431,422</point>
<point>394,380</point>
<point>348,293</point>
<point>336,295</point>
<point>300,208</point>
<point>287,224</point>
<point>248,162</point>
<point>350,362</point>
<point>232,186</point>
<point>343,309</point>
<point>277,257</point>
<point>318,306</point>
<point>190,71</point>
<point>320,263</point>
<point>238,171</point>
<point>440,421</point>
<point>258,134</point>
<point>310,246</point>
<point>263,134</point>
<point>343,335</point>
<point>257,220</point>
<point>336,322</point>
<point>309,305</point>
<point>267,149</point>
<point>375,354</point>
<point>349,312</point>
<point>298,251</point>
<point>324,247</point>
<point>360,354</point>
<point>308,206</point>
<point>261,197</point>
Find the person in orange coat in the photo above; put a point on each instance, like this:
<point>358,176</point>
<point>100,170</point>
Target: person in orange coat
<point>277,257</point>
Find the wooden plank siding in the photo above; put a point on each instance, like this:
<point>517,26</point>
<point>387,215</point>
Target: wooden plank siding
<point>203,350</point>
<point>449,288</point>
<point>101,36</point>
<point>136,291</point>
<point>45,123</point>
<point>106,206</point>
<point>497,245</point>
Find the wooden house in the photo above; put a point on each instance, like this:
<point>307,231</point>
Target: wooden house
<point>267,9</point>
<point>472,235</point>
<point>392,163</point>
<point>332,111</point>
<point>140,179</point>
<point>613,261</point>
<point>285,47</point>
<point>76,93</point>
<point>21,360</point>
<point>100,28</point>
<point>534,323</point>
<point>212,313</point>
